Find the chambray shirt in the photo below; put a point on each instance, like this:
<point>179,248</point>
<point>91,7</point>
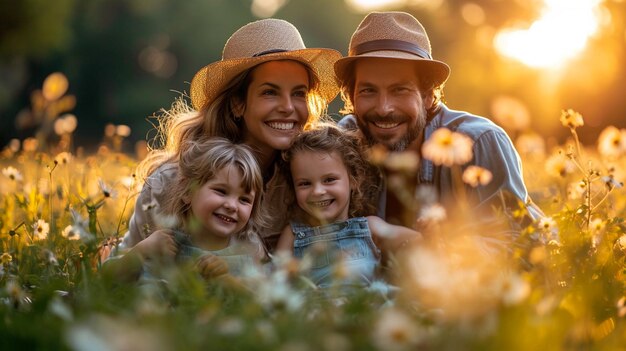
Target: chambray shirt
<point>492,150</point>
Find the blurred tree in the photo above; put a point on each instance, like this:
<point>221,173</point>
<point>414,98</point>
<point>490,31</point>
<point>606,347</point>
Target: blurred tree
<point>30,30</point>
<point>126,59</point>
<point>33,28</point>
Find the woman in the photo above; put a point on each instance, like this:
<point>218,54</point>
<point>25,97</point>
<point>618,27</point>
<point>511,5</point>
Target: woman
<point>266,88</point>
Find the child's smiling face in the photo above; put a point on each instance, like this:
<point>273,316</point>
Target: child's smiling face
<point>322,186</point>
<point>220,208</point>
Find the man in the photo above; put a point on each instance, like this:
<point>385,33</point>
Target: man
<point>393,88</point>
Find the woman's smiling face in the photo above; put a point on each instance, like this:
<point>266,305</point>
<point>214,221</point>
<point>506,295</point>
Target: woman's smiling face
<point>276,107</point>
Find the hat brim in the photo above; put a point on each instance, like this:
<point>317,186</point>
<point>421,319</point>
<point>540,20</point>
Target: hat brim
<point>438,71</point>
<point>211,79</point>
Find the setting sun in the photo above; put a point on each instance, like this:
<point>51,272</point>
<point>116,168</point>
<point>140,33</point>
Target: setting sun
<point>559,34</point>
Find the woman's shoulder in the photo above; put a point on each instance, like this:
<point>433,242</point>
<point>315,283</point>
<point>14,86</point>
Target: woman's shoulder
<point>162,175</point>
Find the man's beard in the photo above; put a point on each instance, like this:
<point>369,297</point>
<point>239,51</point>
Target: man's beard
<point>415,128</point>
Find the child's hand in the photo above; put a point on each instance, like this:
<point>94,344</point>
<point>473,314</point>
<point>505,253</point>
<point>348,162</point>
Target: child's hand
<point>158,245</point>
<point>210,266</point>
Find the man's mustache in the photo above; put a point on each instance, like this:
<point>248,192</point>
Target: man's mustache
<point>392,118</point>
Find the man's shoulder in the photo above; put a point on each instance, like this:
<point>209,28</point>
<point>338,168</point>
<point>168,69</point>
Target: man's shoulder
<point>348,122</point>
<point>467,123</point>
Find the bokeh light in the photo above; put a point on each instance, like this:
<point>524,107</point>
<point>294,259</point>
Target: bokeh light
<point>473,14</point>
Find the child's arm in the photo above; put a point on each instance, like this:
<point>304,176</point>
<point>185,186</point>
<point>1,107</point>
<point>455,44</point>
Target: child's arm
<point>285,242</point>
<point>159,245</point>
<point>210,266</point>
<point>213,268</point>
<point>392,236</point>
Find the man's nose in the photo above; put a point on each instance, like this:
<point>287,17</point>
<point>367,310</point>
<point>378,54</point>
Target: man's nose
<point>385,105</point>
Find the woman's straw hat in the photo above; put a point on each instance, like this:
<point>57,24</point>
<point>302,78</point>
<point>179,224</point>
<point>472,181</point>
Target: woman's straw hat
<point>258,42</point>
<point>393,35</point>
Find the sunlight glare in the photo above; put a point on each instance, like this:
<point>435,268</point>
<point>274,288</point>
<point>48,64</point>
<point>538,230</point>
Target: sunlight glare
<point>371,5</point>
<point>266,8</point>
<point>364,6</point>
<point>557,36</point>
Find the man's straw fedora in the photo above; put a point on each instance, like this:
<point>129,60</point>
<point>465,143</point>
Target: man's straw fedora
<point>256,43</point>
<point>393,35</point>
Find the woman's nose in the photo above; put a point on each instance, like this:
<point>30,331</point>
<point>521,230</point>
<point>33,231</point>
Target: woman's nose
<point>286,105</point>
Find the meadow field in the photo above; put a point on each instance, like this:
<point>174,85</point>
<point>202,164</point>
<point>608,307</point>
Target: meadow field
<point>560,286</point>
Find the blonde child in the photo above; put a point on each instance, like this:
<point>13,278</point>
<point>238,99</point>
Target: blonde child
<point>214,202</point>
<point>327,174</point>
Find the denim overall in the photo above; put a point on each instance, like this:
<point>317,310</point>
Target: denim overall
<point>344,247</point>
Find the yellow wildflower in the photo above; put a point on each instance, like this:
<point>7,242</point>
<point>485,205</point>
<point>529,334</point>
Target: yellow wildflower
<point>576,190</point>
<point>597,224</point>
<point>432,214</point>
<point>5,258</point>
<point>377,154</point>
<point>402,161</point>
<point>41,229</point>
<point>612,142</point>
<point>448,148</point>
<point>514,289</point>
<point>621,242</point>
<point>12,174</point>
<point>71,233</point>
<point>531,145</point>
<point>475,176</point>
<point>63,158</point>
<point>547,224</point>
<point>559,166</point>
<point>571,119</point>
<point>395,330</point>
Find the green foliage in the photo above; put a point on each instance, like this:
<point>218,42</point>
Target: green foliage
<point>35,27</point>
<point>561,286</point>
